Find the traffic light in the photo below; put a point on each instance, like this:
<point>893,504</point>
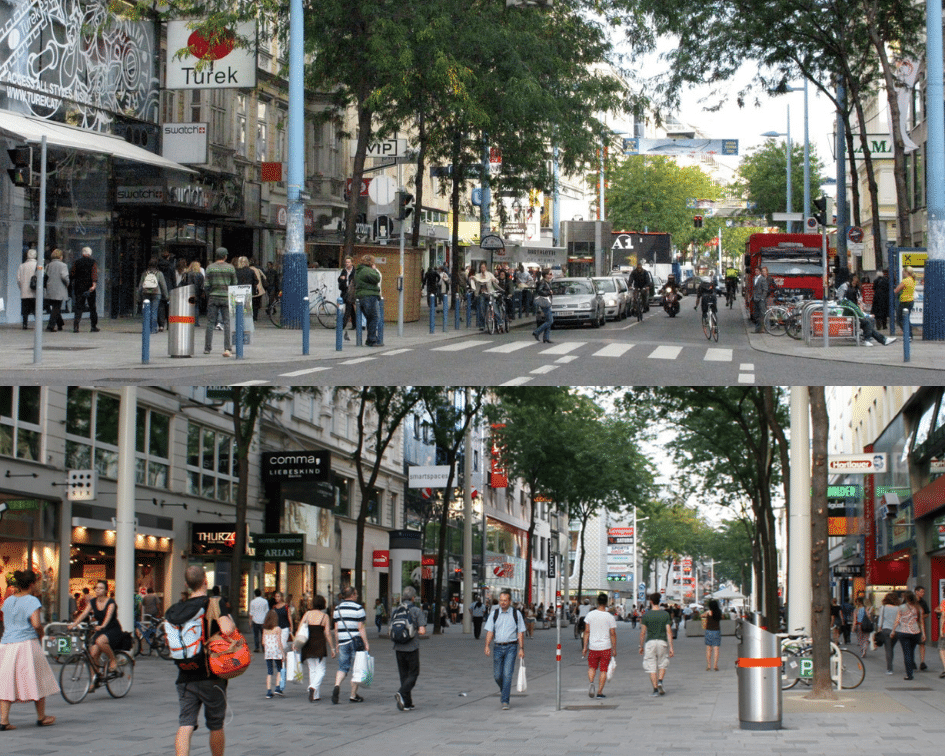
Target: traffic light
<point>404,205</point>
<point>21,173</point>
<point>823,210</point>
<point>697,221</point>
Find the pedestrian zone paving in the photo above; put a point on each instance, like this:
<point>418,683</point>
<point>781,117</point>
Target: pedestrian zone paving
<point>458,710</point>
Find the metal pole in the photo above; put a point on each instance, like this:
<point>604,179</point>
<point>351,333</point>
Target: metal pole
<point>484,209</point>
<point>467,522</point>
<point>295,261</point>
<point>603,210</point>
<point>790,227</point>
<point>933,317</point>
<point>40,256</point>
<point>842,209</point>
<point>125,508</point>
<point>400,281</point>
<point>799,534</point>
<point>556,205</point>
<point>806,158</point>
<point>823,257</point>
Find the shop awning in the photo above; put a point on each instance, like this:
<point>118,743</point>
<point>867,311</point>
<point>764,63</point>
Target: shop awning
<point>32,130</point>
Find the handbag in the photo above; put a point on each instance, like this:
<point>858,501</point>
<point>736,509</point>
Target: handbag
<point>228,657</point>
<point>541,301</point>
<point>522,682</point>
<point>301,637</point>
<point>866,625</point>
<point>293,667</point>
<point>879,638</point>
<point>705,621</point>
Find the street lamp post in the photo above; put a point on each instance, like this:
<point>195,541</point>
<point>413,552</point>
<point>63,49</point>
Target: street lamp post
<point>806,151</point>
<point>788,155</point>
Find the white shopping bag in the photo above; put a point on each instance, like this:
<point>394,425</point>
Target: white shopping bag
<point>362,671</point>
<point>611,668</point>
<point>293,667</point>
<point>522,683</point>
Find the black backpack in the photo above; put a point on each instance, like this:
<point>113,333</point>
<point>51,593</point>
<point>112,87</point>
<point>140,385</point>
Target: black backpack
<point>515,614</point>
<point>402,627</point>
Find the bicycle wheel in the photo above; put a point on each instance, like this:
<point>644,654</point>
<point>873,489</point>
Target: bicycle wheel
<point>705,327</point>
<point>325,313</point>
<point>854,672</point>
<point>775,321</point>
<point>490,316</point>
<point>794,326</point>
<point>119,682</point>
<point>138,643</point>
<point>715,325</point>
<point>274,311</point>
<point>75,680</point>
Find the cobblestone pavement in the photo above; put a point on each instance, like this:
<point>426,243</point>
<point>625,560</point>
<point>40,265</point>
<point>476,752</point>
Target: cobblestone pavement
<point>458,710</point>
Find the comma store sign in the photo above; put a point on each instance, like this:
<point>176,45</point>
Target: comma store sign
<point>209,64</point>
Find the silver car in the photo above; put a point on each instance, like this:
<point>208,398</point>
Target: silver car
<point>576,301</point>
<point>616,296</point>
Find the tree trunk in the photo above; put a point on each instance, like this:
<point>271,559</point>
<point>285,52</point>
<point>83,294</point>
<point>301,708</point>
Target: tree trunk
<point>242,499</point>
<point>528,546</point>
<point>365,118</point>
<point>441,548</point>
<point>418,183</point>
<point>454,208</point>
<point>584,520</point>
<point>871,183</point>
<point>822,687</point>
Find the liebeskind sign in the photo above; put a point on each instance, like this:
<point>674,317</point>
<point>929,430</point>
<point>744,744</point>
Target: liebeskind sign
<point>866,464</point>
<point>296,465</point>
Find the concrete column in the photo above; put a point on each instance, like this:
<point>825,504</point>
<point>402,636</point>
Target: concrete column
<point>799,535</point>
<point>125,509</point>
<point>467,524</point>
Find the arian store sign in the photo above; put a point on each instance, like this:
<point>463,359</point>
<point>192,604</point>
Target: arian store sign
<point>215,63</point>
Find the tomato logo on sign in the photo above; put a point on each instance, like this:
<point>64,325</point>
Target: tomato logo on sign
<point>200,47</point>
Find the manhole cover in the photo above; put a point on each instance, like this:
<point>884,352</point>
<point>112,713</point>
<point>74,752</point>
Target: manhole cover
<point>586,708</point>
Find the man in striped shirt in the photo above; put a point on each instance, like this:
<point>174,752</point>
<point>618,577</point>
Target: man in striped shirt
<point>219,277</point>
<point>350,637</point>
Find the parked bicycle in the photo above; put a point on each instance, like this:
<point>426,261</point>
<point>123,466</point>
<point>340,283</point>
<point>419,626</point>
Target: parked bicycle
<point>150,636</point>
<point>846,668</point>
<point>784,317</point>
<point>321,309</point>
<point>80,674</point>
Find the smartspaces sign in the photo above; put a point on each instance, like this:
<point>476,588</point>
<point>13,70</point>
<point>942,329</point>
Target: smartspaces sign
<point>434,476</point>
<point>209,64</point>
<point>300,466</point>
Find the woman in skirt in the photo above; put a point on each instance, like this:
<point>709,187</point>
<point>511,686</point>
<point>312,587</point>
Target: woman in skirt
<point>24,672</point>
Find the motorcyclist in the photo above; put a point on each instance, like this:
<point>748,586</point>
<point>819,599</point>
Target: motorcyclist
<point>640,280</point>
<point>670,293</point>
<point>706,294</point>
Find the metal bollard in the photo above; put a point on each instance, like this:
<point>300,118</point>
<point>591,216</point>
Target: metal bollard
<point>431,301</point>
<point>445,309</point>
<point>306,326</point>
<point>456,312</point>
<point>380,321</point>
<point>146,332</point>
<point>906,336</point>
<point>468,307</point>
<point>358,334</point>
<point>239,328</point>
<point>759,677</point>
<point>339,324</point>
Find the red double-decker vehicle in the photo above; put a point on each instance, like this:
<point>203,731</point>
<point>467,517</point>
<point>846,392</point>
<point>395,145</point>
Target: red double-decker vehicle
<point>793,260</point>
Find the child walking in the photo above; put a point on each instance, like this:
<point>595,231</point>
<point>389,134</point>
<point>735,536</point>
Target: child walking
<point>275,652</point>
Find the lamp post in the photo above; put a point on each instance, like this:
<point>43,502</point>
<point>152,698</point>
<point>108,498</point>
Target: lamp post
<point>788,154</point>
<point>806,150</point>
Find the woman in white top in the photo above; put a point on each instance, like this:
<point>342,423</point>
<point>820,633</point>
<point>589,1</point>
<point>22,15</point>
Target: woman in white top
<point>885,623</point>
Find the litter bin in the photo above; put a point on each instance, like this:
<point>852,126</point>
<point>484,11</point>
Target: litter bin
<point>759,677</point>
<point>180,322</point>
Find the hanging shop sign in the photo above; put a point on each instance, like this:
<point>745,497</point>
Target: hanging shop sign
<point>296,466</point>
<point>865,464</point>
<point>210,64</point>
<point>214,539</point>
<point>279,547</point>
<point>381,558</point>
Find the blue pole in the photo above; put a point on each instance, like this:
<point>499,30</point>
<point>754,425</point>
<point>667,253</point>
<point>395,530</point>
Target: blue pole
<point>239,329</point>
<point>933,317</point>
<point>468,307</point>
<point>357,322</point>
<point>146,332</point>
<point>806,157</point>
<point>306,328</point>
<point>891,259</point>
<point>431,301</point>
<point>456,311</point>
<point>294,261</point>
<point>445,309</point>
<point>339,324</point>
<point>380,322</point>
<point>906,342</point>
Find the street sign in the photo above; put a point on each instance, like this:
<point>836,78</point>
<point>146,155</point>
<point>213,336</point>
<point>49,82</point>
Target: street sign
<point>855,234</point>
<point>810,223</point>
<point>387,148</point>
<point>279,547</point>
<point>382,190</point>
<point>787,216</point>
<point>491,241</point>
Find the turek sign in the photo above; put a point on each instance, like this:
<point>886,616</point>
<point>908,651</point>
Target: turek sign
<point>216,63</point>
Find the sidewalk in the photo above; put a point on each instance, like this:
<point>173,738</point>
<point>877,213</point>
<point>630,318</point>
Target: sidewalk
<point>458,710</point>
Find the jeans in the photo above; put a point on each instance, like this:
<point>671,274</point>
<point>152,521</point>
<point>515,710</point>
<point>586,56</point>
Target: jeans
<point>528,301</point>
<point>909,641</point>
<point>408,665</point>
<point>482,305</point>
<point>85,301</point>
<point>213,310</point>
<point>316,673</point>
<point>257,636</point>
<point>868,331</point>
<point>477,627</point>
<point>888,647</point>
<point>503,666</point>
<point>544,330</point>
<point>905,316</point>
<point>370,306</point>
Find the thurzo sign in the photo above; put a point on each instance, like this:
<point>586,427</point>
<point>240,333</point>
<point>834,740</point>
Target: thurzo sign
<point>435,476</point>
<point>221,65</point>
<point>865,464</point>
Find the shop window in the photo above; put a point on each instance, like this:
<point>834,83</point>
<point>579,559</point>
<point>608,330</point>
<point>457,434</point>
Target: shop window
<point>153,447</point>
<point>211,463</point>
<point>341,488</point>
<point>262,131</point>
<point>20,433</point>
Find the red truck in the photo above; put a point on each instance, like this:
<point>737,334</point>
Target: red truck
<point>793,260</point>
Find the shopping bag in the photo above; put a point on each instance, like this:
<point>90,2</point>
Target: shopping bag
<point>293,667</point>
<point>301,637</point>
<point>522,683</point>
<point>611,668</point>
<point>362,671</point>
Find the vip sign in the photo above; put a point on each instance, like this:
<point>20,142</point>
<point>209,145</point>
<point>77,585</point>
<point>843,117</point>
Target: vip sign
<point>221,65</point>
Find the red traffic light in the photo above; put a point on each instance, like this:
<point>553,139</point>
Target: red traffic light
<point>697,221</point>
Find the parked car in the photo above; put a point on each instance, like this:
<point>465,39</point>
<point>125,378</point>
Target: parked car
<point>688,287</point>
<point>576,301</point>
<point>616,296</point>
<point>656,294</point>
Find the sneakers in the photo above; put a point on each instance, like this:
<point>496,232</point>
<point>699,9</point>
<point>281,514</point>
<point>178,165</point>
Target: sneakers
<point>268,694</point>
<point>601,695</point>
<point>226,353</point>
<point>591,690</point>
<point>335,693</point>
<point>888,671</point>
<point>659,688</point>
<point>400,702</point>
<point>890,340</point>
<point>356,699</point>
<point>279,692</point>
<point>505,707</point>
<point>535,335</point>
<point>94,329</point>
<point>219,326</point>
<point>655,693</point>
<point>922,667</point>
<point>347,337</point>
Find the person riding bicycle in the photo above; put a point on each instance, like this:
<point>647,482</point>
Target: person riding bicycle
<point>641,281</point>
<point>731,283</point>
<point>707,295</point>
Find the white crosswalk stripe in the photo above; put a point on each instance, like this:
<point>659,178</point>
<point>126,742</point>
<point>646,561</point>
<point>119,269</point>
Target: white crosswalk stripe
<point>513,346</point>
<point>358,360</point>
<point>544,369</point>
<point>297,373</point>
<point>665,353</point>
<point>516,382</point>
<point>392,352</point>
<point>250,383</point>
<point>564,348</point>
<point>613,350</point>
<point>460,346</point>
<point>718,355</point>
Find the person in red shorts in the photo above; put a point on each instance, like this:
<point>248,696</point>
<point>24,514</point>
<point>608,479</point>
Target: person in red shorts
<point>600,645</point>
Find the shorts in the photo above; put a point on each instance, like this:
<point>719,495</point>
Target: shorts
<point>209,693</point>
<point>713,637</point>
<point>273,666</point>
<point>345,657</point>
<point>655,656</point>
<point>599,659</point>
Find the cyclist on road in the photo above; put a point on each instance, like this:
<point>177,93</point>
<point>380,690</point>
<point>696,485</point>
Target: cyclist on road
<point>706,294</point>
<point>731,283</point>
<point>641,281</point>
<point>483,285</point>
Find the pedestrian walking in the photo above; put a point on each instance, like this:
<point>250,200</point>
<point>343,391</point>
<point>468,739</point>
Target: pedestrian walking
<point>193,276</point>
<point>713,634</point>
<point>275,654</point>
<point>542,300</point>
<point>26,279</point>
<point>924,609</point>
<point>153,286</point>
<point>759,298</point>
<point>880,308</point>
<point>317,646</point>
<point>599,645</point>
<point>861,615</point>
<point>196,685</point>
<point>220,276</point>
<point>407,623</point>
<point>909,631</point>
<point>84,277</point>
<point>885,623</point>
<point>367,281</point>
<point>656,643</point>
<point>478,612</point>
<point>24,671</point>
<point>506,626</point>
<point>57,289</point>
<point>348,293</point>
<point>259,287</point>
<point>378,614</point>
<point>350,637</point>
<point>284,617</point>
<point>258,609</point>
<point>941,636</point>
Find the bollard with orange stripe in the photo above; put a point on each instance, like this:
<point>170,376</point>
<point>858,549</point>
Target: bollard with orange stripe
<point>746,662</point>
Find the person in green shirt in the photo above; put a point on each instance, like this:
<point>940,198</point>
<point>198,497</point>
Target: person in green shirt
<point>866,324</point>
<point>656,643</point>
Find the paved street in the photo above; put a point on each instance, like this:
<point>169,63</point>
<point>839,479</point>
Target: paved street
<point>458,711</point>
<point>658,350</point>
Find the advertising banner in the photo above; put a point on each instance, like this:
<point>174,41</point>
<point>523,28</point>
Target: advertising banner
<point>221,65</point>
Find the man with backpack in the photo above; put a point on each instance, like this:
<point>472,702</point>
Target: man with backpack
<point>406,623</point>
<point>478,611</point>
<point>188,628</point>
<point>507,626</point>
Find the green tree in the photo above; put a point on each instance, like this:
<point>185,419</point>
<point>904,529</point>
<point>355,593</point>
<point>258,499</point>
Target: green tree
<point>762,174</point>
<point>673,530</point>
<point>730,549</point>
